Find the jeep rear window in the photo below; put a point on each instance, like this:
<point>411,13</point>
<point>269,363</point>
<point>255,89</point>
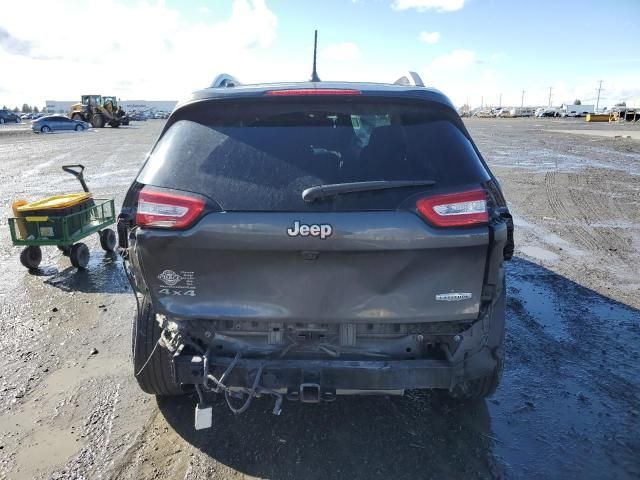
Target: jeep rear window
<point>260,155</point>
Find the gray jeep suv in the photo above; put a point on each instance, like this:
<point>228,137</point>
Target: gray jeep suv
<point>308,240</point>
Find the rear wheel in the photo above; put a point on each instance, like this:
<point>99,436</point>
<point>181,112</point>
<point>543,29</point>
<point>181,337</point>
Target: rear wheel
<point>45,129</point>
<point>108,240</point>
<point>79,256</point>
<point>31,257</point>
<point>98,121</point>
<point>486,386</point>
<point>151,362</point>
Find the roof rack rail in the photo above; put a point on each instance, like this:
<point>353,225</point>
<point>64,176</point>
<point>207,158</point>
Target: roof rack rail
<point>225,81</point>
<point>410,79</point>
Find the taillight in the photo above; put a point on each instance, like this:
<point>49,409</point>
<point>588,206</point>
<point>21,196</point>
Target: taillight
<point>311,91</point>
<point>455,209</point>
<point>166,209</point>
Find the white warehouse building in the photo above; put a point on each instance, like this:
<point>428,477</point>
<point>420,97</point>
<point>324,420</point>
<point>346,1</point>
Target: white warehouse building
<point>63,106</point>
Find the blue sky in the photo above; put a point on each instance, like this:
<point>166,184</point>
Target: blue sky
<point>467,48</point>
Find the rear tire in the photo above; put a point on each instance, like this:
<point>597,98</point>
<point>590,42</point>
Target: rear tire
<point>155,378</point>
<point>79,256</point>
<point>486,386</point>
<point>108,240</point>
<point>31,257</point>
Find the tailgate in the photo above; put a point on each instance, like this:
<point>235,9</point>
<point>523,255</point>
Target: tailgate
<point>387,266</point>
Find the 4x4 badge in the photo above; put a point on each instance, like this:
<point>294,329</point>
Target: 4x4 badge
<point>322,230</point>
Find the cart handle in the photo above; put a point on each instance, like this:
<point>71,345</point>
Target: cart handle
<point>78,174</point>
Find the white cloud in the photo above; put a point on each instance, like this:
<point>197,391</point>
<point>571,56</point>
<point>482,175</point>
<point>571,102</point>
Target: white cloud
<point>341,52</point>
<point>456,60</point>
<point>429,37</point>
<point>424,5</point>
<point>161,55</point>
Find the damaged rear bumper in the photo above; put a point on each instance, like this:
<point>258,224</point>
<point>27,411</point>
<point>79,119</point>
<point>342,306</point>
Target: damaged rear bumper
<point>337,376</point>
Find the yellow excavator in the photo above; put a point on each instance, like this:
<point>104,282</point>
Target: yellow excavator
<point>99,111</point>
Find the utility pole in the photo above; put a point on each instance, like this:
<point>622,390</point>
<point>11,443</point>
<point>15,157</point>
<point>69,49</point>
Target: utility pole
<point>482,101</point>
<point>522,100</point>
<point>599,90</point>
<point>550,90</point>
<point>500,102</point>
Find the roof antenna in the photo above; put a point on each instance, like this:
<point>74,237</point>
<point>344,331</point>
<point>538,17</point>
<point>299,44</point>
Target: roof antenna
<point>314,74</point>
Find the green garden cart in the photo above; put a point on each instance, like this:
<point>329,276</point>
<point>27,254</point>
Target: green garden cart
<point>62,221</point>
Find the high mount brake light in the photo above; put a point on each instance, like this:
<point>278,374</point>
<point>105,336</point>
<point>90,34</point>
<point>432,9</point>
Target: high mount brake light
<point>455,209</point>
<point>167,209</point>
<point>311,91</point>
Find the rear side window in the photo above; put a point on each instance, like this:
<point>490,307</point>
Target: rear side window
<point>261,155</point>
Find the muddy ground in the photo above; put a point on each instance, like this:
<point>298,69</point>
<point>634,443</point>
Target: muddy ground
<point>568,407</point>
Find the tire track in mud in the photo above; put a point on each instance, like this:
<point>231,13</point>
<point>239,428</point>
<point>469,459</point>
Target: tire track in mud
<point>595,201</point>
<point>566,210</point>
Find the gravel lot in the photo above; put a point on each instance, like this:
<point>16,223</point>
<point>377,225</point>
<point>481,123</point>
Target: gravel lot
<point>569,405</point>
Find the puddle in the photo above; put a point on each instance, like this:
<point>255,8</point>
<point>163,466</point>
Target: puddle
<point>545,159</point>
<point>45,449</point>
<point>48,428</point>
<point>543,305</point>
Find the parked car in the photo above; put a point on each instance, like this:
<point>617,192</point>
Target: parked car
<point>7,116</point>
<point>338,238</point>
<point>52,123</point>
<point>548,112</point>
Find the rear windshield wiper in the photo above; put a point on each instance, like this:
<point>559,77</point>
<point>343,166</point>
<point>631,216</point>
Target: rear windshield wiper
<point>321,191</point>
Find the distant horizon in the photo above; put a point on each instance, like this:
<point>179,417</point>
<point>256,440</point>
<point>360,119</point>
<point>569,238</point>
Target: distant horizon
<point>466,48</point>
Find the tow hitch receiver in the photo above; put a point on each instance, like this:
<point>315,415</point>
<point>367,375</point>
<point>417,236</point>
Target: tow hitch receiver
<point>310,393</point>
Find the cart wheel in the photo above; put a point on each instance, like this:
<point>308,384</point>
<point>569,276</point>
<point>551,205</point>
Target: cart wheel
<point>79,255</point>
<point>31,257</point>
<point>108,240</point>
<point>64,249</point>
